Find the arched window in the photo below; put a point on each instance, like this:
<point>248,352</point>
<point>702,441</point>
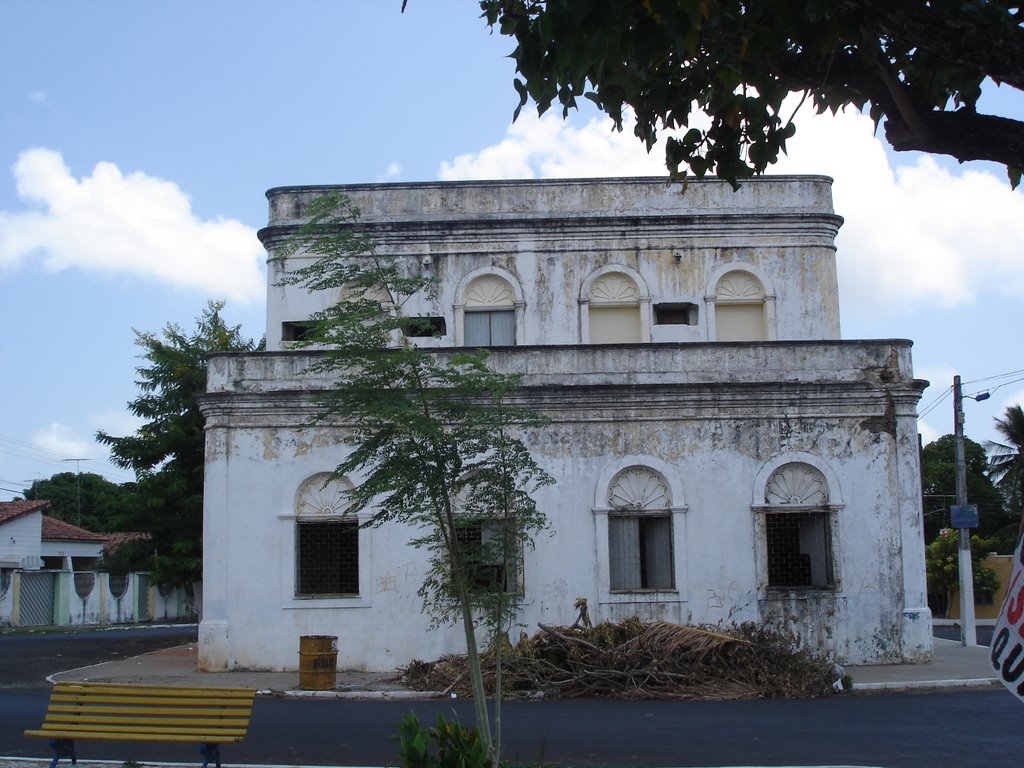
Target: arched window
<point>640,531</point>
<point>326,539</point>
<point>740,308</point>
<point>491,546</point>
<point>798,528</point>
<point>614,310</point>
<point>489,312</point>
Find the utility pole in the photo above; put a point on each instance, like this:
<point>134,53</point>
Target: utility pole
<point>968,631</point>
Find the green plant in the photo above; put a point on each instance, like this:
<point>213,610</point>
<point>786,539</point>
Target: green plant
<point>436,437</point>
<point>942,564</point>
<point>447,745</point>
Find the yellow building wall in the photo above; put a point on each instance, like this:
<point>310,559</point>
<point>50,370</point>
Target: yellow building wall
<point>1002,565</point>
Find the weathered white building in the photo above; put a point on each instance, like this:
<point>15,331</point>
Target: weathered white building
<point>720,455</point>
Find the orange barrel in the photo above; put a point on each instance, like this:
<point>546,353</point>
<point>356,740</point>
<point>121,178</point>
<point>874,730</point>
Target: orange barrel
<point>318,662</point>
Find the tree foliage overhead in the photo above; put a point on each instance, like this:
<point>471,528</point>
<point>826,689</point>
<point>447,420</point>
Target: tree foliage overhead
<point>938,488</point>
<point>917,66</point>
<point>167,451</point>
<point>87,500</point>
<point>1006,459</point>
<point>433,438</point>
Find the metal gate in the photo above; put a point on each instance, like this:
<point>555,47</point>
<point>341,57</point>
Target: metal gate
<point>36,598</point>
<point>142,590</point>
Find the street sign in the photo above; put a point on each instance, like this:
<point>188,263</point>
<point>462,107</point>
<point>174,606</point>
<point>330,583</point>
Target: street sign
<point>963,516</point>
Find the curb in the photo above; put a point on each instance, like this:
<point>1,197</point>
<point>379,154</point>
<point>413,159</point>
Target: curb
<point>970,682</point>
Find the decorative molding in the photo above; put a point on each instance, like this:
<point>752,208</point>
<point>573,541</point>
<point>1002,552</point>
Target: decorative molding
<point>797,484</point>
<point>639,489</point>
<point>739,285</point>
<point>614,288</point>
<point>319,496</point>
<point>489,291</point>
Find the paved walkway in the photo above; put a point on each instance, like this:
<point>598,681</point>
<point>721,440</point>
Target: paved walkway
<point>952,665</point>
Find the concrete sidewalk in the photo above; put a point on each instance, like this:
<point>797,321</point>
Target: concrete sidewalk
<point>952,665</point>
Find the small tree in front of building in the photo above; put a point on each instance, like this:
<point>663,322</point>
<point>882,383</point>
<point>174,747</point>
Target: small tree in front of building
<point>942,565</point>
<point>436,437</point>
<point>166,452</point>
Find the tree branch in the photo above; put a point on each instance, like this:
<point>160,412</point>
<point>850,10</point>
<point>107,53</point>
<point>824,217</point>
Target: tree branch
<point>974,41</point>
<point>964,134</point>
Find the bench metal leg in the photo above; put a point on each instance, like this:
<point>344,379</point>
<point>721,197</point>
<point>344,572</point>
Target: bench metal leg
<point>64,748</point>
<point>209,752</point>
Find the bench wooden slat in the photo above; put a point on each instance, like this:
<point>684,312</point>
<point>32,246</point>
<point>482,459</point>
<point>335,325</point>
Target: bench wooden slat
<point>233,712</point>
<point>128,698</point>
<point>111,712</point>
<point>210,738</point>
<point>125,729</point>
<point>131,718</point>
<point>60,712</point>
<point>154,690</point>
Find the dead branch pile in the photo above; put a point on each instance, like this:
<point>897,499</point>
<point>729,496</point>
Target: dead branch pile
<point>634,659</point>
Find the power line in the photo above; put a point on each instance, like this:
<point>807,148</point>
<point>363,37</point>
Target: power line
<point>39,455</point>
<point>948,391</point>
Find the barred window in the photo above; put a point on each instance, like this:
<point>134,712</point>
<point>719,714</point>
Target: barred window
<point>328,558</point>
<point>326,540</point>
<point>488,566</point>
<point>798,549</point>
<point>798,538</point>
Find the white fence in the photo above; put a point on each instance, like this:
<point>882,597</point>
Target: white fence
<point>63,598</point>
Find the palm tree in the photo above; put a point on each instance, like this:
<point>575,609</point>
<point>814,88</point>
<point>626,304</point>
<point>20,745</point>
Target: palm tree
<point>1006,459</point>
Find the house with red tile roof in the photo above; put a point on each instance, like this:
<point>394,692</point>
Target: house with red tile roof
<point>30,540</point>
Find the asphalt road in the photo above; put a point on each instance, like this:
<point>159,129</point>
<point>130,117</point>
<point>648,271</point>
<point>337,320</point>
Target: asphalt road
<point>27,657</point>
<point>983,634</point>
<point>967,728</point>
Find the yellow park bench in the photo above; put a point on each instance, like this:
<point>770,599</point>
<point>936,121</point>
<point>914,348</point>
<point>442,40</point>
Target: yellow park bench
<point>207,716</point>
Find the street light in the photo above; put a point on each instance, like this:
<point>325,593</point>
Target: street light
<point>968,628</point>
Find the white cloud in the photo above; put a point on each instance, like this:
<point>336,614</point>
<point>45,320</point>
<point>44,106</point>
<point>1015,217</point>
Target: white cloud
<point>929,434</point>
<point>116,423</point>
<point>62,439</point>
<point>915,236</point>
<point>1017,398</point>
<point>117,224</point>
<point>548,147</point>
<point>38,97</point>
<point>392,172</point>
<point>919,235</point>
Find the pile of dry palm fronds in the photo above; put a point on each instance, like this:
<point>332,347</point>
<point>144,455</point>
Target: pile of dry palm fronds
<point>636,659</point>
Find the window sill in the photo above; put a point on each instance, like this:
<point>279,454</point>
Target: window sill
<point>642,596</point>
<point>312,603</point>
<point>779,592</point>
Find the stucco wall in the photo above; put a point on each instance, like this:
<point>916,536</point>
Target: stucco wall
<point>711,418</point>
<point>20,540</point>
<point>677,244</point>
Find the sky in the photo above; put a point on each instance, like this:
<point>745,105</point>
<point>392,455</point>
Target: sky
<point>137,141</point>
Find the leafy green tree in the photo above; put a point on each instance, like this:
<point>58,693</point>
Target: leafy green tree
<point>167,451</point>
<point>435,436</point>
<point>938,489</point>
<point>1006,460</point>
<point>916,66</point>
<point>942,565</point>
<point>87,500</point>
